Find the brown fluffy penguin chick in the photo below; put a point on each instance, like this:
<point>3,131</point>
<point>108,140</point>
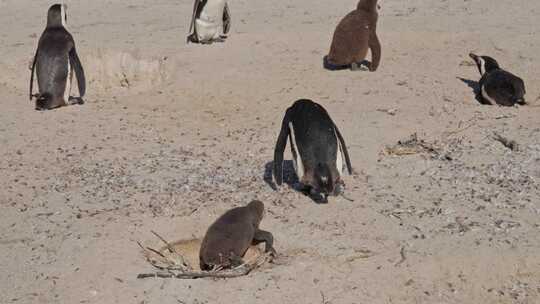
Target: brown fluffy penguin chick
<point>230,236</point>
<point>354,35</point>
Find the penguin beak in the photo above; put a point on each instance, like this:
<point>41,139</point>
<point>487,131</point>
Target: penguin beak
<point>474,57</point>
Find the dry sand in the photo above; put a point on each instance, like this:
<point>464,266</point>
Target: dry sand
<point>172,135</point>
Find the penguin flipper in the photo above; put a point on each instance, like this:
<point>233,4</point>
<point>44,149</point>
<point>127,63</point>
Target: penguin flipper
<point>226,19</point>
<point>280,148</point>
<point>344,148</point>
<point>197,8</point>
<point>520,98</point>
<point>32,75</point>
<point>79,71</point>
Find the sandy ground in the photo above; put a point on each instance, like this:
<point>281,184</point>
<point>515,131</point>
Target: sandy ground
<point>172,135</point>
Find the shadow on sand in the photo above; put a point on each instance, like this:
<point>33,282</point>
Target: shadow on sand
<point>476,89</point>
<point>290,178</point>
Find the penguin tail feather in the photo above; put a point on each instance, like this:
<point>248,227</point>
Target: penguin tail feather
<point>334,67</point>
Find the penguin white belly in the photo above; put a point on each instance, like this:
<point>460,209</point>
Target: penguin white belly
<point>209,25</point>
<point>67,90</point>
<point>486,96</point>
<point>339,157</point>
<point>297,161</point>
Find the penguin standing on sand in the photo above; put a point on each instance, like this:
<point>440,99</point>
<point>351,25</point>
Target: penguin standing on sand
<point>498,86</point>
<point>355,34</point>
<point>317,147</point>
<point>210,21</point>
<point>54,62</point>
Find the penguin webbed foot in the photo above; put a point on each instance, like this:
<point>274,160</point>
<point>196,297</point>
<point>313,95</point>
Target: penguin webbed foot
<point>75,101</point>
<point>220,39</point>
<point>363,65</point>
<point>192,38</point>
<point>235,261</point>
<point>271,251</point>
<point>521,101</point>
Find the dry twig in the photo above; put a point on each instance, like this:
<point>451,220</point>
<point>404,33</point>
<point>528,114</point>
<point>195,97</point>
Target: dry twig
<point>413,145</point>
<point>403,257</point>
<point>175,266</point>
<point>242,270</point>
<point>509,143</point>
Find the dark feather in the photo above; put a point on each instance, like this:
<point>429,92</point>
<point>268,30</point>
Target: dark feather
<point>79,71</point>
<point>32,75</point>
<point>280,148</point>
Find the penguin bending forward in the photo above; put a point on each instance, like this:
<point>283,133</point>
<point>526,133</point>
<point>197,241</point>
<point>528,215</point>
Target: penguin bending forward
<point>498,86</point>
<point>317,147</point>
<point>230,236</point>
<point>54,62</point>
<point>210,21</point>
<point>354,35</point>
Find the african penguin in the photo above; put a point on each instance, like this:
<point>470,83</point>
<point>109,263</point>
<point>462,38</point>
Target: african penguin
<point>230,236</point>
<point>497,86</point>
<point>54,62</point>
<point>210,21</point>
<point>317,147</point>
<point>355,34</point>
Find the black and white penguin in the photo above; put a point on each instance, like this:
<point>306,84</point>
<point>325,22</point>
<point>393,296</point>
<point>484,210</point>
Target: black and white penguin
<point>210,21</point>
<point>54,62</point>
<point>317,147</point>
<point>498,86</point>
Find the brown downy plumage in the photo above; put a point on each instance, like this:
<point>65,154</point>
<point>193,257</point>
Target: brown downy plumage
<point>354,35</point>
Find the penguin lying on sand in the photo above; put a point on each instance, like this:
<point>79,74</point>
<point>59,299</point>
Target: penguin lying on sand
<point>210,21</point>
<point>317,147</point>
<point>498,86</point>
<point>54,62</point>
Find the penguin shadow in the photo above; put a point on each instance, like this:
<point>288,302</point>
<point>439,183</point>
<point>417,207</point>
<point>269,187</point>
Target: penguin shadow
<point>290,179</point>
<point>475,86</point>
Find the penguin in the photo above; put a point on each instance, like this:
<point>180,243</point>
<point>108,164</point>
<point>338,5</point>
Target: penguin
<point>317,147</point>
<point>497,86</point>
<point>230,236</point>
<point>354,35</point>
<point>210,21</point>
<point>54,62</point>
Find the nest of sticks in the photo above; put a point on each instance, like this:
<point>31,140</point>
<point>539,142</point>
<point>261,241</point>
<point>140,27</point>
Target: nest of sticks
<point>180,260</point>
<point>412,145</point>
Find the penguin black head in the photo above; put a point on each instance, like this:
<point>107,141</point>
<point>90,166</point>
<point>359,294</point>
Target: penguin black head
<point>325,183</point>
<point>46,102</point>
<point>485,64</point>
<point>57,15</point>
